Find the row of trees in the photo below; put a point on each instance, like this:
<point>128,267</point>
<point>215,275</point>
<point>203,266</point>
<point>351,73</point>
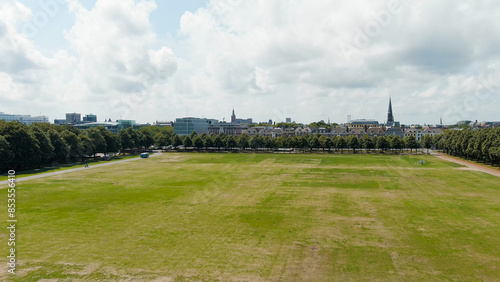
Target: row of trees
<point>38,145</point>
<point>301,143</point>
<point>481,145</point>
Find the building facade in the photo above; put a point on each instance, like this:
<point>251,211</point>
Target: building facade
<point>111,126</point>
<point>73,118</point>
<point>25,119</point>
<point>226,128</point>
<point>60,121</point>
<point>244,120</point>
<point>300,131</point>
<point>186,126</point>
<point>164,124</point>
<point>90,118</point>
<point>124,124</point>
<point>394,131</point>
<point>363,123</point>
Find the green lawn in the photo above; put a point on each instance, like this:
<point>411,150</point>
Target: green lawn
<point>247,217</point>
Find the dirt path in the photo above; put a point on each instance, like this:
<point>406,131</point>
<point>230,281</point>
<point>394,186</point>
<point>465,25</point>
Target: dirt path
<point>469,165</point>
<point>43,175</point>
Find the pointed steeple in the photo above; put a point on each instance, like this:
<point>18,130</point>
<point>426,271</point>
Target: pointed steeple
<point>390,116</point>
<point>233,117</point>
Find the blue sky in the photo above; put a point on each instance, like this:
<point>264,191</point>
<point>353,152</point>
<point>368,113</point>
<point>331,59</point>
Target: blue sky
<point>154,60</point>
<point>166,19</point>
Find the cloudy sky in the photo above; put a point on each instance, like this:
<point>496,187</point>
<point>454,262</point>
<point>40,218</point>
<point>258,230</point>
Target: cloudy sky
<point>309,60</point>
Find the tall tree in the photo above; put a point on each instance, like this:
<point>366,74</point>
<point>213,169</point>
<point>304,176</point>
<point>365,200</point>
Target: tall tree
<point>326,143</point>
<point>140,140</point>
<point>303,142</point>
<point>396,143</point>
<point>353,143</point>
<point>411,143</point>
<point>269,142</point>
<point>243,141</point>
<point>46,147</point>
<point>87,146</point>
<point>112,140</point>
<point>193,135</point>
<point>6,154</point>
<point>23,144</point>
<point>126,140</point>
<point>314,143</point>
<point>427,143</point>
<point>61,149</point>
<point>230,142</point>
<point>187,142</point>
<point>208,141</point>
<point>75,147</point>
<point>147,141</point>
<point>150,130</point>
<point>98,140</point>
<point>366,142</point>
<point>218,142</point>
<point>340,143</point>
<point>198,142</point>
<point>161,140</point>
<point>382,143</point>
<point>176,141</point>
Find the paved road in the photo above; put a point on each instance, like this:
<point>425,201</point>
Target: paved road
<point>469,165</point>
<point>19,179</point>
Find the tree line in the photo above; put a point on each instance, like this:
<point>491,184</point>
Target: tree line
<point>481,145</point>
<point>303,143</point>
<point>38,145</point>
<point>41,144</point>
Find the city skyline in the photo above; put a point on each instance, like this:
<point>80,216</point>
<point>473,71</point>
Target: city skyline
<point>151,60</point>
<point>390,120</point>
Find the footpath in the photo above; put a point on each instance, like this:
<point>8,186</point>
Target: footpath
<point>48,174</point>
<point>467,164</point>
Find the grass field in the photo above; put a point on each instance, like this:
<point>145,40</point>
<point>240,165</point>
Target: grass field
<point>248,217</point>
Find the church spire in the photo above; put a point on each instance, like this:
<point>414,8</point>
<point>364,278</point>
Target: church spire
<point>233,117</point>
<point>390,116</point>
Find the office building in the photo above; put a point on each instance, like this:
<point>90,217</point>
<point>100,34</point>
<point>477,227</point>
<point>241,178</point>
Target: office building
<point>90,118</point>
<point>124,124</point>
<point>25,119</point>
<point>73,118</point>
<point>233,129</point>
<point>111,126</point>
<point>186,126</point>
<point>60,121</point>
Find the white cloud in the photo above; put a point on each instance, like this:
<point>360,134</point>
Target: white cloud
<point>114,45</point>
<point>414,49</point>
<point>306,60</point>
